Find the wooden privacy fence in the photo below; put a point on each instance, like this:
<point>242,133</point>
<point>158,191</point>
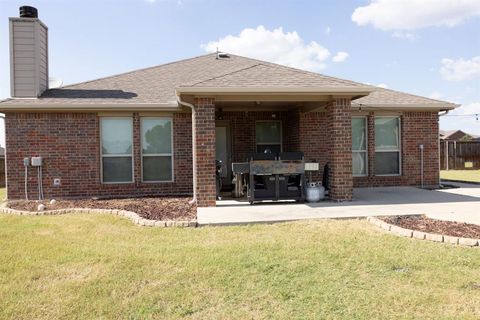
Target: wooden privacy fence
<point>459,155</point>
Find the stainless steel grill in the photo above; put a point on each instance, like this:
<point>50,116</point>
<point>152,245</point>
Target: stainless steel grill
<point>271,177</point>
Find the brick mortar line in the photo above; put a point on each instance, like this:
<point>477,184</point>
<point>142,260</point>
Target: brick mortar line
<point>420,235</point>
<point>132,216</point>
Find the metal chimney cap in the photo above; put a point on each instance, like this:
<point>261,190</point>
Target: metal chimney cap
<point>28,12</point>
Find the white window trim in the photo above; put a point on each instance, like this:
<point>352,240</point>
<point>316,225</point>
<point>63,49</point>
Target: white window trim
<point>115,155</point>
<point>269,143</point>
<point>365,118</point>
<point>171,155</point>
<point>399,150</point>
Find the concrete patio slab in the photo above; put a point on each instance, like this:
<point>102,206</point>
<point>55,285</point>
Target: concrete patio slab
<point>461,204</point>
<point>469,213</point>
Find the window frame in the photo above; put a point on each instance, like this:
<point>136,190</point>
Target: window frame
<point>365,119</point>
<point>269,143</point>
<point>116,155</point>
<point>171,155</point>
<point>399,150</point>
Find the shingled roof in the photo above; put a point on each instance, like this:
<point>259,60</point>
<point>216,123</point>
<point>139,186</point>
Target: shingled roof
<point>157,85</point>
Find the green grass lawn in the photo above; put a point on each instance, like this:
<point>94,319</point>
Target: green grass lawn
<point>461,175</point>
<point>102,266</point>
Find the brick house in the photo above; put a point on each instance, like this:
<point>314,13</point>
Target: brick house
<point>457,135</point>
<point>157,131</point>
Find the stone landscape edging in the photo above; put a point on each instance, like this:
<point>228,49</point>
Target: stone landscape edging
<point>132,216</point>
<point>420,235</point>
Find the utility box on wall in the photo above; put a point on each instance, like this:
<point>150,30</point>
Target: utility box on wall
<point>36,161</point>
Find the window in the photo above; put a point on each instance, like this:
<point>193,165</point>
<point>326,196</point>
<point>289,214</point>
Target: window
<point>268,135</point>
<point>157,155</point>
<point>359,146</point>
<point>387,146</point>
<point>117,148</point>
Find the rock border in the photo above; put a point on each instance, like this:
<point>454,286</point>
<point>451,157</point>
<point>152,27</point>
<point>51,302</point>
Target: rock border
<point>420,235</point>
<point>132,216</point>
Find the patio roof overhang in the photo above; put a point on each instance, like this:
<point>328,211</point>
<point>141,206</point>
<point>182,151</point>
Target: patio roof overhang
<point>406,106</point>
<point>274,93</point>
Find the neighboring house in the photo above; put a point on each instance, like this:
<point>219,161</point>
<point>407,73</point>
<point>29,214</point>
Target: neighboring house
<point>132,134</point>
<point>457,135</point>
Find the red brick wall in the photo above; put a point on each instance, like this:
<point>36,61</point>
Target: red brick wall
<point>291,134</point>
<point>69,145</point>
<point>243,130</point>
<point>314,137</point>
<point>416,128</point>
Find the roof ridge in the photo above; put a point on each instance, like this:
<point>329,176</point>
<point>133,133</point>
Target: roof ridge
<point>298,70</point>
<point>226,74</point>
<point>133,71</point>
<point>313,73</point>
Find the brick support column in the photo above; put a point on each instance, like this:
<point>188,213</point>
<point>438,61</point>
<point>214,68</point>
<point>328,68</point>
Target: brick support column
<point>204,121</point>
<point>371,145</point>
<point>340,129</point>
<point>137,145</point>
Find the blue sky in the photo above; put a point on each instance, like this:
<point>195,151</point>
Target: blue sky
<point>425,47</point>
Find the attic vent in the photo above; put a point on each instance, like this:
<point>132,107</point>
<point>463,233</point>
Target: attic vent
<point>222,55</point>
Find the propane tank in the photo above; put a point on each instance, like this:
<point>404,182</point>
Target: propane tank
<point>315,192</point>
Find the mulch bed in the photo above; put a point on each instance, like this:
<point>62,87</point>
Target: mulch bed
<point>148,208</point>
<point>448,228</point>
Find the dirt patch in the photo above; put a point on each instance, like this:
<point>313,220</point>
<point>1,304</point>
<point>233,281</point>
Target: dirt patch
<point>448,228</point>
<point>148,208</point>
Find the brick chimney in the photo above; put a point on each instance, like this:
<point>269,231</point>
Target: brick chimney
<point>28,54</point>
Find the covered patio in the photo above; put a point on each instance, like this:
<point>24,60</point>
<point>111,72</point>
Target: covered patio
<point>245,131</point>
<point>232,126</point>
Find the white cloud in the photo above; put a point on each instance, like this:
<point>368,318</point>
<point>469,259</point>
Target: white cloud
<point>277,46</point>
<point>471,108</point>
<point>415,14</point>
<point>460,69</point>
<point>340,56</point>
<point>328,31</point>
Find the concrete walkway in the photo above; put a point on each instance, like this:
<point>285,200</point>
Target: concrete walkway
<point>462,204</point>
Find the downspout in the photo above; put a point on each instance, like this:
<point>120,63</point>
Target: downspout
<point>439,149</point>
<point>421,166</point>
<point>194,148</point>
